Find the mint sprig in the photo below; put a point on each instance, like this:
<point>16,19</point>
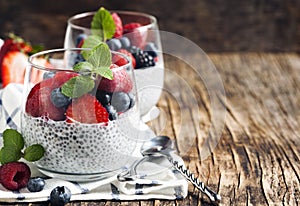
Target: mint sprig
<point>13,144</point>
<point>103,24</point>
<point>97,64</point>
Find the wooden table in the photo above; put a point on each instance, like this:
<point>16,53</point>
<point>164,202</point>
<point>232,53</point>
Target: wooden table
<point>256,160</point>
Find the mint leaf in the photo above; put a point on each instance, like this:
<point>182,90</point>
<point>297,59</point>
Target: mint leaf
<point>13,138</point>
<point>104,72</point>
<point>100,56</point>
<point>90,42</point>
<point>103,24</point>
<point>83,67</point>
<point>78,86</point>
<point>9,154</point>
<point>34,152</point>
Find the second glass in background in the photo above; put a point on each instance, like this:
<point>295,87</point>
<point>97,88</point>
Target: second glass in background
<point>144,44</point>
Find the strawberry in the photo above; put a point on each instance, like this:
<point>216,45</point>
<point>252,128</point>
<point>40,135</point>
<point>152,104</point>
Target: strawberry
<point>13,60</point>
<point>136,36</point>
<point>13,67</point>
<point>39,102</point>
<point>87,109</point>
<point>119,25</point>
<point>120,61</point>
<point>121,81</point>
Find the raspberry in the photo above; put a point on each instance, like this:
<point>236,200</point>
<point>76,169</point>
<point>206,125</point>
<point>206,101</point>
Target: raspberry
<point>119,25</point>
<point>136,36</point>
<point>118,60</point>
<point>14,175</point>
<point>86,109</point>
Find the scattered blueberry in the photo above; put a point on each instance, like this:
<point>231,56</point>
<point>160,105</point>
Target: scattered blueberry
<point>59,99</point>
<point>125,42</point>
<point>113,115</point>
<point>60,196</point>
<point>104,97</point>
<point>120,101</point>
<point>80,38</point>
<point>114,44</point>
<point>151,49</point>
<point>48,75</point>
<point>36,184</point>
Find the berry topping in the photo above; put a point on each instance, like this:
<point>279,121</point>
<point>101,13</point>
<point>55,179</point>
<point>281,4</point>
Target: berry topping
<point>114,44</point>
<point>120,83</point>
<point>136,36</point>
<point>60,196</point>
<point>80,39</point>
<point>36,184</point>
<point>104,97</point>
<point>14,175</point>
<point>59,99</point>
<point>118,24</point>
<point>151,49</point>
<point>48,75</point>
<point>120,61</point>
<point>143,59</point>
<point>120,101</point>
<point>125,42</point>
<point>113,115</point>
<point>86,109</point>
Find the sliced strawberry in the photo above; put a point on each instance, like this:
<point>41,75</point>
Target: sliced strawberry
<point>13,67</point>
<point>39,102</point>
<point>87,109</point>
<point>120,61</point>
<point>119,25</point>
<point>121,81</point>
<point>136,36</point>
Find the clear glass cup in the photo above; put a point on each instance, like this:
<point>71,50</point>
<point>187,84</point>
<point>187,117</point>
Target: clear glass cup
<point>83,141</point>
<point>149,79</point>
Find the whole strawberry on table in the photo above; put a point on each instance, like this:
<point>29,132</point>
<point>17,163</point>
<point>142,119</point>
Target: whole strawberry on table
<point>14,52</point>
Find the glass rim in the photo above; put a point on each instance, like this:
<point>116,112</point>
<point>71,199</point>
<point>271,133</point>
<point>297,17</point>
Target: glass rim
<point>59,50</point>
<point>152,18</point>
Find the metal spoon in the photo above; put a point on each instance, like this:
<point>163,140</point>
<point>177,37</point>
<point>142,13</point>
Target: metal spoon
<point>163,145</point>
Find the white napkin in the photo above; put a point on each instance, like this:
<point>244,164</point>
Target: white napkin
<point>160,180</point>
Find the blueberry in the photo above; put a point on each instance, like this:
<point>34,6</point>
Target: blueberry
<point>120,101</point>
<point>125,42</point>
<point>104,97</point>
<point>60,195</point>
<point>114,44</point>
<point>151,49</point>
<point>113,115</point>
<point>80,37</point>
<point>132,100</point>
<point>48,75</point>
<point>59,99</point>
<point>36,184</point>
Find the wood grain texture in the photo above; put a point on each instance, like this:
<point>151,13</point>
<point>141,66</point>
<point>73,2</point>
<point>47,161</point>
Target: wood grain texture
<point>257,159</point>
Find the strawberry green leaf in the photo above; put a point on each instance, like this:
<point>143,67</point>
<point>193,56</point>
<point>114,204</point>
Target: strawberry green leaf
<point>103,24</point>
<point>78,86</point>
<point>90,42</point>
<point>100,56</point>
<point>104,72</point>
<point>9,154</point>
<point>13,138</point>
<point>34,152</point>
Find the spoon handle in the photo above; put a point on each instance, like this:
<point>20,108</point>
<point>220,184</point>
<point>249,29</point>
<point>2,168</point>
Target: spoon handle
<point>213,196</point>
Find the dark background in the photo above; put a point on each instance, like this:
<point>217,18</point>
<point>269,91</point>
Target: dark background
<point>215,25</point>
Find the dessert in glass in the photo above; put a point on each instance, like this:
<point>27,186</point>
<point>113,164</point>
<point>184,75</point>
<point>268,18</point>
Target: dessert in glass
<point>135,34</point>
<point>83,111</point>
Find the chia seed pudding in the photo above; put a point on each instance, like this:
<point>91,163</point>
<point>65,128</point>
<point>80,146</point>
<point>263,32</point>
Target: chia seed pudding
<point>78,148</point>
